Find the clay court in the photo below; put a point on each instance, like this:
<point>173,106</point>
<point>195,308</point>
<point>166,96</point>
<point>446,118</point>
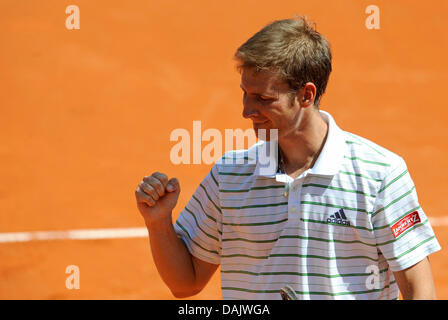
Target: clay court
<point>86,113</point>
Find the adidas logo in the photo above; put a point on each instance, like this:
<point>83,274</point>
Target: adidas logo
<point>339,218</point>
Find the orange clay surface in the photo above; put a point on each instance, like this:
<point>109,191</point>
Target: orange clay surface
<point>85,114</point>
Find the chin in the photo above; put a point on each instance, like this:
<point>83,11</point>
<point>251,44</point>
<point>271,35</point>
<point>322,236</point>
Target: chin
<point>264,133</point>
<point>261,137</point>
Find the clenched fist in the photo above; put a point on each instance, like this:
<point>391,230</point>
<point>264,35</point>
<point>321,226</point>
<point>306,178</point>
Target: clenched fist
<point>157,196</point>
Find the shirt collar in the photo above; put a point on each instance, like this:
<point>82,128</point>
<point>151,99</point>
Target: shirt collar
<point>332,154</point>
<point>328,161</point>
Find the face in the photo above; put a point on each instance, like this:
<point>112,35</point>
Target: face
<point>268,102</point>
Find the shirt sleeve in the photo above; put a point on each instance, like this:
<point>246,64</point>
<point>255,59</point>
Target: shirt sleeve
<point>402,230</point>
<point>199,223</point>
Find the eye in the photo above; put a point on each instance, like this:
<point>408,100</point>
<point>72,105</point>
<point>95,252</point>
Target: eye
<point>263,98</point>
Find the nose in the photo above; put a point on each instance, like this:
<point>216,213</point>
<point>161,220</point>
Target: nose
<point>249,108</point>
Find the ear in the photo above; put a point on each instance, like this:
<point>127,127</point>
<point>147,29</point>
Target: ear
<point>307,95</point>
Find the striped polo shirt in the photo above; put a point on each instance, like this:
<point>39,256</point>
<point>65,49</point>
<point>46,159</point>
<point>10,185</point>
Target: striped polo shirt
<point>338,231</point>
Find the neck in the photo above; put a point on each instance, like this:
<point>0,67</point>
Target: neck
<point>301,147</point>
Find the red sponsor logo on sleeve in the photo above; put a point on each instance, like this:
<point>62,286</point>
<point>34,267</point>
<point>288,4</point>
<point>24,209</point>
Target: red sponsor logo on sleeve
<point>405,223</point>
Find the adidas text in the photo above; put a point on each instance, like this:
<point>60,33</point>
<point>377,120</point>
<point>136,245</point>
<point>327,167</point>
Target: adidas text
<point>338,221</point>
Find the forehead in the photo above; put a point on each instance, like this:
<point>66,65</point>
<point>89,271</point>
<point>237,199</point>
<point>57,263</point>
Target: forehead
<point>262,81</point>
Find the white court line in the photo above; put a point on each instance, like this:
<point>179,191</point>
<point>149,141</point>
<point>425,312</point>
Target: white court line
<point>120,233</point>
<point>87,234</point>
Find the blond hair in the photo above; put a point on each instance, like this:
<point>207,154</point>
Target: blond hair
<point>292,48</point>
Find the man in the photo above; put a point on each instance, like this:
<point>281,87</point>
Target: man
<point>337,218</point>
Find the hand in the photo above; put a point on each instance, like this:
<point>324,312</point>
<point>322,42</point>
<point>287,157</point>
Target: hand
<point>156,197</point>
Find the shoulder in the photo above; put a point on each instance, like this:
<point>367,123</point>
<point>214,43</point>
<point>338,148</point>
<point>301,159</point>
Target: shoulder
<point>370,157</point>
<point>236,164</point>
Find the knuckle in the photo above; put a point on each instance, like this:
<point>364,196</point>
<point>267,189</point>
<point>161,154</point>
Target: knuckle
<point>158,186</point>
<point>160,176</point>
<point>155,183</point>
<point>154,195</point>
<point>151,181</point>
<point>144,186</point>
<point>156,174</point>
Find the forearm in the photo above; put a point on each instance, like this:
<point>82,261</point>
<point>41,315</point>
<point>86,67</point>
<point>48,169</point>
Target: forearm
<point>416,282</point>
<point>420,291</point>
<point>172,258</point>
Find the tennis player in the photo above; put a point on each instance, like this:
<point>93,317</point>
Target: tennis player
<point>337,217</point>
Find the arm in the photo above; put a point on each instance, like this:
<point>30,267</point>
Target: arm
<point>416,282</point>
<point>184,274</point>
<point>404,233</point>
